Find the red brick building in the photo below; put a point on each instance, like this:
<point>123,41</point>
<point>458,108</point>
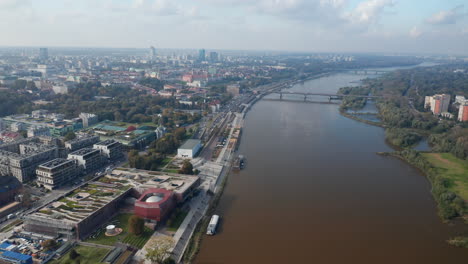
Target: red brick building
<point>155,204</point>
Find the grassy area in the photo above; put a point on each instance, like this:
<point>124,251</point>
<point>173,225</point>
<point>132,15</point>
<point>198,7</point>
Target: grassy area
<point>175,221</point>
<point>11,225</point>
<point>121,221</point>
<point>452,168</point>
<point>165,161</point>
<point>88,255</point>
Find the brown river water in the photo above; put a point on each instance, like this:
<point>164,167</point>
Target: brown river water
<point>315,191</point>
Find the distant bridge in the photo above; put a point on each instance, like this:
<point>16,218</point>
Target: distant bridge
<point>367,72</point>
<point>329,95</point>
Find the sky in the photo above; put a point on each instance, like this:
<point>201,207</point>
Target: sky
<point>390,26</point>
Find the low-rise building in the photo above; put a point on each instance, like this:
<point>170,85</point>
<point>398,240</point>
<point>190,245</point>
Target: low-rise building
<point>189,149</point>
<point>88,159</point>
<point>155,204</point>
<point>88,119</point>
<point>81,141</point>
<point>99,201</point>
<point>56,173</point>
<point>110,149</point>
<point>35,131</point>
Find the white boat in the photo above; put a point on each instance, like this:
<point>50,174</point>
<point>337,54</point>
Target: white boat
<point>212,225</point>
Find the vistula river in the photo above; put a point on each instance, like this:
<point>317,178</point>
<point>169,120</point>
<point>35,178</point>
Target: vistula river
<point>315,191</point>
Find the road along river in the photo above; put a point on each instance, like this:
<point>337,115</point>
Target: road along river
<point>315,191</point>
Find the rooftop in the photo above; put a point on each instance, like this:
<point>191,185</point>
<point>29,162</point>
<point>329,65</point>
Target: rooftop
<point>82,202</point>
<point>190,144</point>
<point>142,179</point>
<point>55,163</point>
<point>106,142</point>
<point>83,151</point>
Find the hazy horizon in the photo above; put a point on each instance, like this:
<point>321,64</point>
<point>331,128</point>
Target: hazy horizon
<point>351,26</point>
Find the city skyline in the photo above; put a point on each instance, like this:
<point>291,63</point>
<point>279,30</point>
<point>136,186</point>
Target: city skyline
<point>289,25</point>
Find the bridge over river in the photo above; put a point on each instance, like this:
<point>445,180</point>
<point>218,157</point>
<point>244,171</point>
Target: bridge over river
<point>330,96</point>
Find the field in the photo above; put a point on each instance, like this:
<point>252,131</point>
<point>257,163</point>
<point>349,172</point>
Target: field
<point>88,255</point>
<point>121,221</point>
<point>454,169</point>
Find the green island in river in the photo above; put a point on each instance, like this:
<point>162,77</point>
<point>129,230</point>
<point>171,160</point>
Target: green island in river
<point>401,110</point>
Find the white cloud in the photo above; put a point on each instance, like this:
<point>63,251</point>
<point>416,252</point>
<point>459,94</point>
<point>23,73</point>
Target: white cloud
<point>369,11</point>
<point>415,32</point>
<point>5,4</point>
<point>447,16</point>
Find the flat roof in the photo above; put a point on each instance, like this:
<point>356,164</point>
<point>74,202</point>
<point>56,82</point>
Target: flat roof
<point>177,183</point>
<point>55,163</point>
<point>190,144</point>
<point>84,151</point>
<point>106,142</point>
<point>82,202</point>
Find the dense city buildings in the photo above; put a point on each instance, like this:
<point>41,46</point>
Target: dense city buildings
<point>20,159</point>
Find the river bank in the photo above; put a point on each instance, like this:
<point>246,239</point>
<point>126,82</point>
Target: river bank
<point>450,200</point>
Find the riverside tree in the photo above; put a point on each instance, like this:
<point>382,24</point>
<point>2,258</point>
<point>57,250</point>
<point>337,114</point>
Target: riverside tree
<point>159,249</point>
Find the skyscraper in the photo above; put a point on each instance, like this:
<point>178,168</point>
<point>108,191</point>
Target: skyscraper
<point>201,55</point>
<point>43,53</point>
<point>152,52</point>
<point>213,56</point>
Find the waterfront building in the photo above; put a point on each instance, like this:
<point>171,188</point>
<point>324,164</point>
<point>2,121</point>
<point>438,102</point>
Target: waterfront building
<point>189,149</point>
<point>155,204</point>
<point>56,173</point>
<point>438,103</point>
<point>463,112</point>
<point>88,159</point>
<point>88,119</point>
<point>183,186</point>
<point>111,149</point>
